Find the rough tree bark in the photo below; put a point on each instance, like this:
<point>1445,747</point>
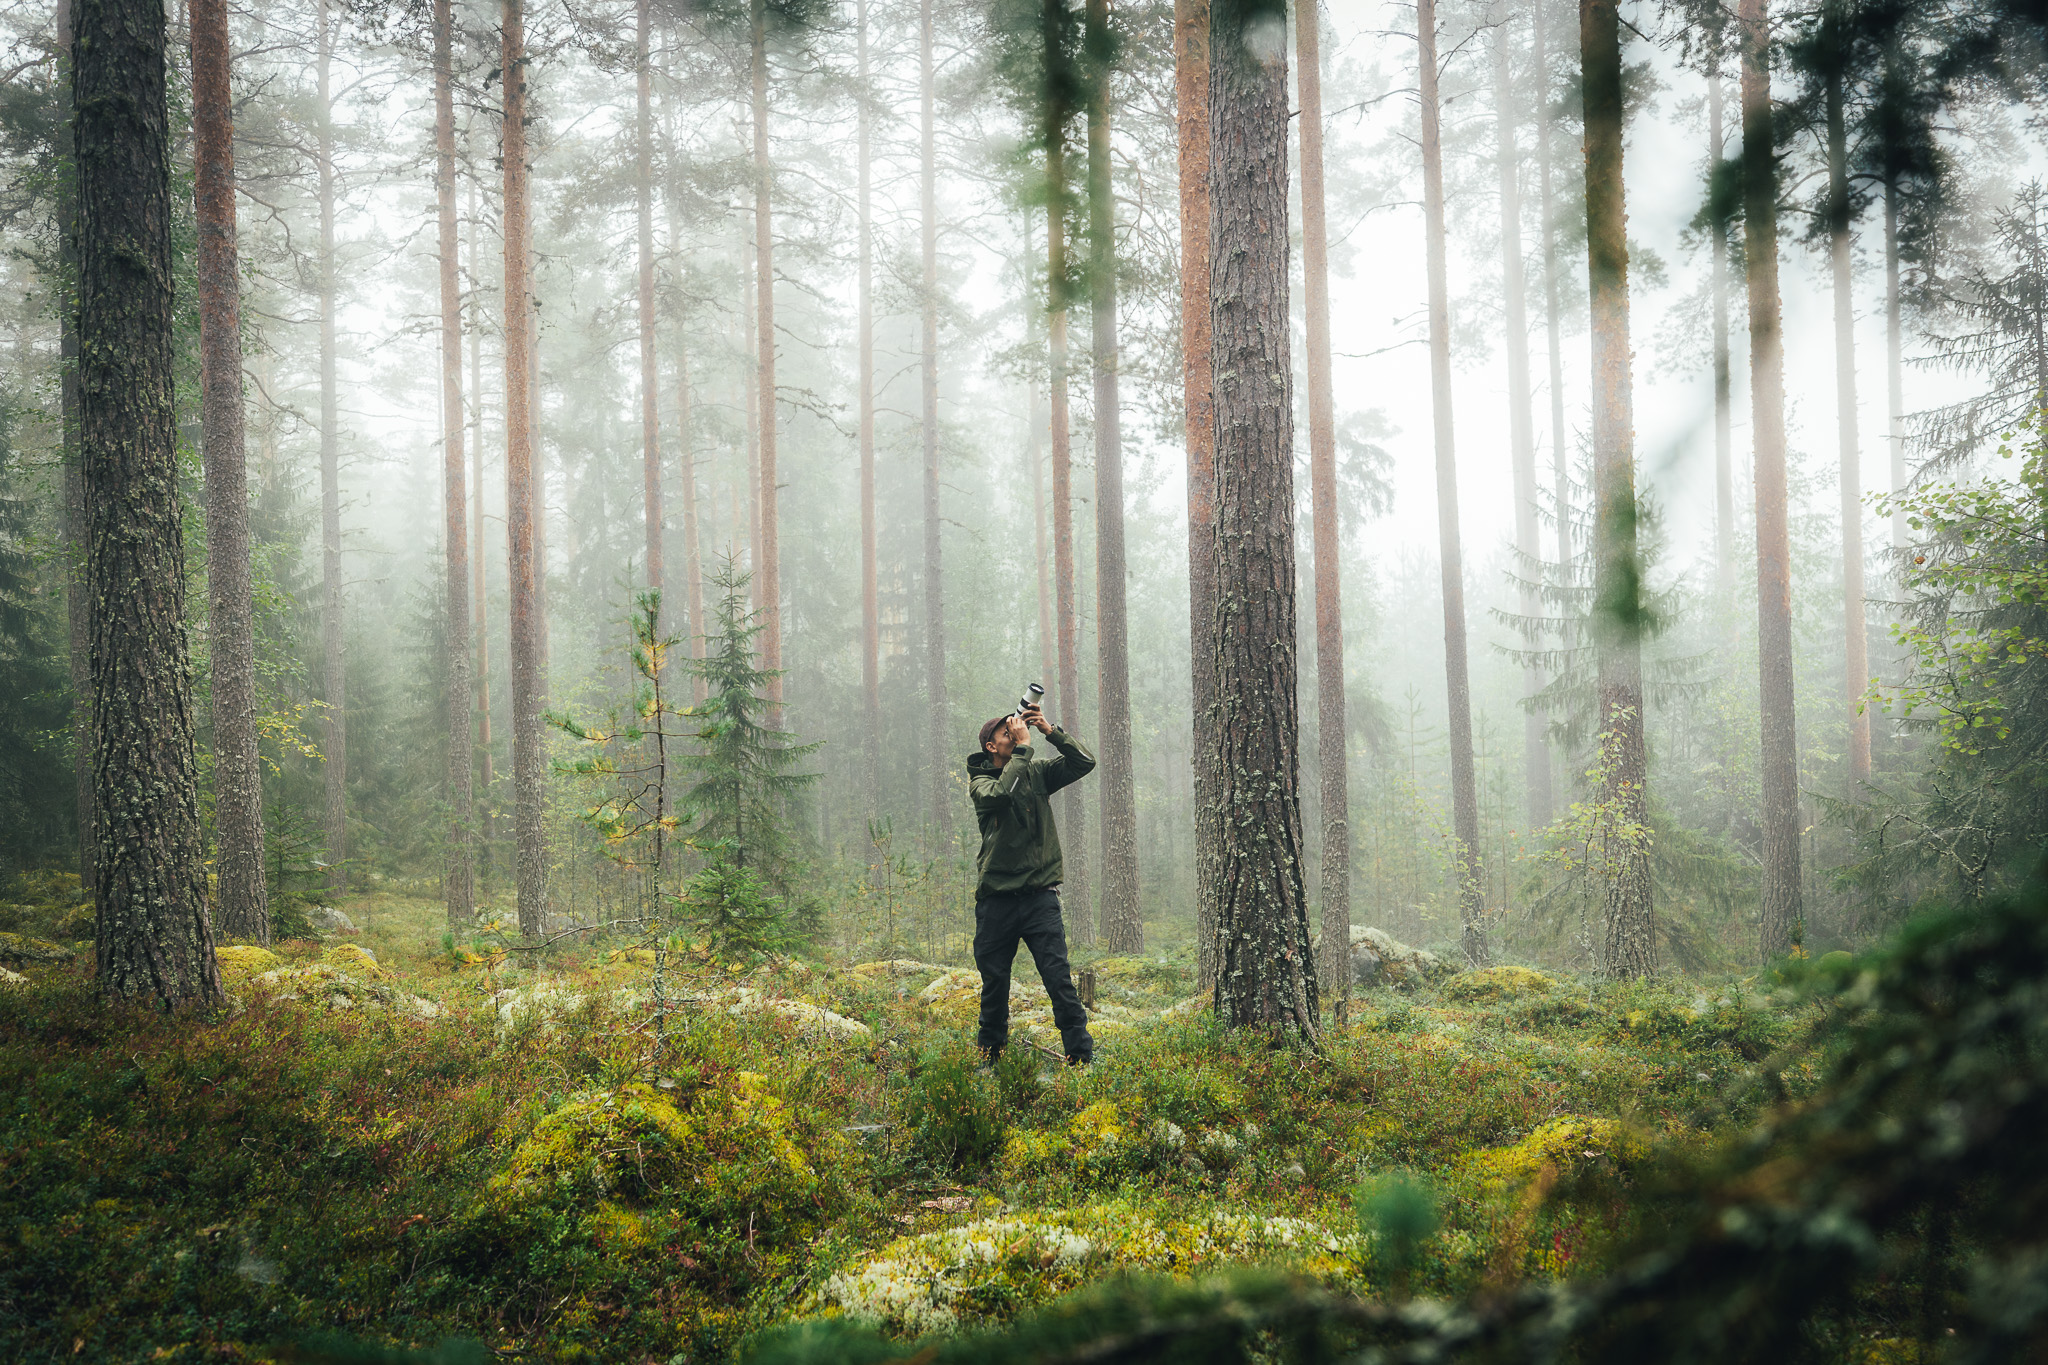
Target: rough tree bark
<point>1780,749</point>
<point>1724,407</point>
<point>1457,674</point>
<point>1266,974</point>
<point>768,568</point>
<point>650,378</point>
<point>1855,641</point>
<point>1191,87</point>
<point>529,829</point>
<point>870,607</point>
<point>1059,108</point>
<point>152,939</point>
<point>77,597</point>
<point>1521,417</point>
<point>333,664</point>
<point>943,817</point>
<point>1123,928</point>
<point>241,902</point>
<point>458,875</point>
<point>1629,948</point>
<point>1333,951</point>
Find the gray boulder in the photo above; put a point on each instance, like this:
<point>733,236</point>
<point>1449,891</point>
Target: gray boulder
<point>1380,959</point>
<point>325,919</point>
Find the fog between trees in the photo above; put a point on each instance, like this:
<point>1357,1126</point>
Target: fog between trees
<point>887,306</point>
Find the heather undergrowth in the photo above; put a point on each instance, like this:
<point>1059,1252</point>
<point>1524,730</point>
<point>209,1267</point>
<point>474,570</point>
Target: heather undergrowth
<point>510,1147</point>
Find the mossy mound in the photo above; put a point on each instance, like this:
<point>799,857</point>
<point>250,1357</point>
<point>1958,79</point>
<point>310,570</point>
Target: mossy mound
<point>240,961</point>
<point>22,950</point>
<point>992,1269</point>
<point>731,1151</point>
<point>324,984</point>
<point>1490,985</point>
<point>1563,1144</point>
<point>356,960</point>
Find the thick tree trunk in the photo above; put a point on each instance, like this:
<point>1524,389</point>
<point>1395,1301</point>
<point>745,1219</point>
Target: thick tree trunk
<point>458,867</point>
<point>870,604</point>
<point>768,569</point>
<point>1894,366</point>
<point>1266,973</point>
<point>1333,951</point>
<point>943,817</point>
<point>241,901</point>
<point>650,378</point>
<point>1072,806</point>
<point>1779,768</point>
<point>333,665</point>
<point>77,596</point>
<point>1123,927</point>
<point>1521,418</point>
<point>152,939</point>
<point>1724,408</point>
<point>487,826</point>
<point>1458,684</point>
<point>1553,307</point>
<point>1630,938</point>
<point>1191,88</point>
<point>1855,641</point>
<point>529,686</point>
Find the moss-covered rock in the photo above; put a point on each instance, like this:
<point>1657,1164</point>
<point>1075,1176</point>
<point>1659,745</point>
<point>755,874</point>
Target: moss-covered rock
<point>240,961</point>
<point>1563,1144</point>
<point>325,985</point>
<point>1489,985</point>
<point>20,949</point>
<point>993,1268</point>
<point>356,960</point>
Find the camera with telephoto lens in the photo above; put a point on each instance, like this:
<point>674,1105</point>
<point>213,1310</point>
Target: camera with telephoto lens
<point>1032,692</point>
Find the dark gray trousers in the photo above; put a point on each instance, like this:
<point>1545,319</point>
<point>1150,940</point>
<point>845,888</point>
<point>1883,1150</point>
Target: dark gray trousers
<point>1033,918</point>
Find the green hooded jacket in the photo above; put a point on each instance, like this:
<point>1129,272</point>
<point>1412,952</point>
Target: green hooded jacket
<point>1020,845</point>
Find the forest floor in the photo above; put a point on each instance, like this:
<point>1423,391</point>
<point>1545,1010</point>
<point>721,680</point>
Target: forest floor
<point>405,1140</point>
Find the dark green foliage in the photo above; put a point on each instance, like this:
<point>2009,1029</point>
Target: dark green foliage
<point>334,1348</point>
<point>35,709</point>
<point>739,787</point>
<point>952,1112</point>
<point>733,912</point>
<point>1399,1212</point>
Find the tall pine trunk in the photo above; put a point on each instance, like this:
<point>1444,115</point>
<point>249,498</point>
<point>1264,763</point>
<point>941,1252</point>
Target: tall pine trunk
<point>1629,948</point>
<point>1724,407</point>
<point>650,377</point>
<point>768,568</point>
<point>1266,972</point>
<point>1894,363</point>
<point>1058,110</point>
<point>1333,951</point>
<point>750,378</point>
<point>241,901</point>
<point>487,825</point>
<point>333,664</point>
<point>942,816</point>
<point>1553,306</point>
<point>1521,417</point>
<point>1191,89</point>
<point>686,437</point>
<point>77,595</point>
<point>458,867</point>
<point>870,606</point>
<point>1779,766</point>
<point>529,686</point>
<point>1457,674</point>
<point>1123,929</point>
<point>1855,641</point>
<point>152,939</point>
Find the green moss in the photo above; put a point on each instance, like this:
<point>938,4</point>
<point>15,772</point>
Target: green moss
<point>1489,985</point>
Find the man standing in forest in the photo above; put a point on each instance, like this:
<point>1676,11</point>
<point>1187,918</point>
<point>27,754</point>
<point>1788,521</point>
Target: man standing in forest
<point>1018,896</point>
